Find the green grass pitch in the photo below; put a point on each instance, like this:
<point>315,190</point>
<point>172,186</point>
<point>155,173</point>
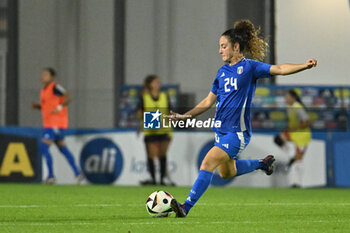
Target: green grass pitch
<point>44,208</point>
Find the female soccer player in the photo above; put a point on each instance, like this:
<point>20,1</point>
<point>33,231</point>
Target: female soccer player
<point>157,140</point>
<point>298,132</point>
<point>233,90</point>
<point>53,105</point>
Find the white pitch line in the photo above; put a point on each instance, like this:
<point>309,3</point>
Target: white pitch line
<point>239,222</point>
<point>64,206</point>
<point>21,206</point>
<point>168,223</point>
<point>276,204</point>
<point>199,204</point>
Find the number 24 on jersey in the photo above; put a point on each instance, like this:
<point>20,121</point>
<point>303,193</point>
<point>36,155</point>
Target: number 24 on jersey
<point>230,82</point>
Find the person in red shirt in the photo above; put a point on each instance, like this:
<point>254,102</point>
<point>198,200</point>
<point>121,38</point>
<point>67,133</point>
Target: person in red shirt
<point>54,100</point>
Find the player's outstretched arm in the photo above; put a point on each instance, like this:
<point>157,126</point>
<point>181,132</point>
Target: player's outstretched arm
<point>67,99</point>
<point>286,69</point>
<point>203,106</point>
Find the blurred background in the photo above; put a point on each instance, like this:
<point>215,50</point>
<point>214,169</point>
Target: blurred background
<point>103,49</point>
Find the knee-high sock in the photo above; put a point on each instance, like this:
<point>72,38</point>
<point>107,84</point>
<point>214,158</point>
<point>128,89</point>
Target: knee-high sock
<point>45,151</point>
<point>199,187</point>
<point>244,166</point>
<point>162,161</point>
<point>297,173</point>
<point>151,170</point>
<point>64,150</point>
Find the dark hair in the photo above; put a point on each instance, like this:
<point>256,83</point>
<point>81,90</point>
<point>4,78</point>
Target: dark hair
<point>51,71</point>
<point>245,34</point>
<point>294,94</point>
<point>148,80</point>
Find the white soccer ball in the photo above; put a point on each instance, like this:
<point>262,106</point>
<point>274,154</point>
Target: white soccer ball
<point>158,204</point>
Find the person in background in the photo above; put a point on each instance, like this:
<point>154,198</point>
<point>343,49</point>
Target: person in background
<point>157,140</point>
<point>298,132</point>
<point>54,100</point>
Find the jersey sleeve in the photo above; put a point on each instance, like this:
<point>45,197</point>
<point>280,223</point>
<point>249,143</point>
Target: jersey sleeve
<point>58,90</point>
<point>215,87</point>
<point>261,70</point>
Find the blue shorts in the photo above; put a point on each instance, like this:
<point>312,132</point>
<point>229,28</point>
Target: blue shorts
<point>53,134</point>
<point>232,143</point>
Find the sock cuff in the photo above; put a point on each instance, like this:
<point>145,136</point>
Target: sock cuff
<point>63,147</point>
<point>44,146</point>
<point>205,173</point>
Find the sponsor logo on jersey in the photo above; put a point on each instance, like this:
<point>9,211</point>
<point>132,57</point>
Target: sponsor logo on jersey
<point>217,139</point>
<point>240,70</point>
<point>151,120</point>
<point>222,75</point>
<point>225,145</point>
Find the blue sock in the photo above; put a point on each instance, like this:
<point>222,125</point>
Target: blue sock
<point>70,159</point>
<point>45,151</point>
<point>244,166</point>
<point>199,187</point>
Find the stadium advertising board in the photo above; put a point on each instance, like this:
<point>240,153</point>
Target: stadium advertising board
<point>120,158</point>
<point>19,160</point>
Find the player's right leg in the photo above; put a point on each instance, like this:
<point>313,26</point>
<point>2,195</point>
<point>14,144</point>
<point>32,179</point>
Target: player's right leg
<point>239,167</point>
<point>212,160</point>
<point>233,144</point>
<point>69,156</point>
<point>46,142</point>
<point>152,150</point>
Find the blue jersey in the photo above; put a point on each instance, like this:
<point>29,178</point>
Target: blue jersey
<point>234,87</point>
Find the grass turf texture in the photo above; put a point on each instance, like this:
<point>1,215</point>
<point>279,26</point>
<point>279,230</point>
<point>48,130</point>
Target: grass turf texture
<point>43,208</point>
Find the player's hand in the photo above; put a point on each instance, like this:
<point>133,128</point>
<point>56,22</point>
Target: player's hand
<point>311,63</point>
<point>35,105</point>
<point>176,116</point>
<point>172,116</point>
<point>55,111</point>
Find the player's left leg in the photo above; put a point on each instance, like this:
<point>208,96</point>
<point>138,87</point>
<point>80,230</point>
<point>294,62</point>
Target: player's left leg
<point>163,149</point>
<point>297,167</point>
<point>212,160</point>
<point>233,144</point>
<point>239,167</point>
<point>228,169</point>
<point>66,152</point>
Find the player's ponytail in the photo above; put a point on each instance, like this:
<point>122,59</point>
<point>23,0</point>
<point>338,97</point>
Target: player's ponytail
<point>295,95</point>
<point>244,33</point>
